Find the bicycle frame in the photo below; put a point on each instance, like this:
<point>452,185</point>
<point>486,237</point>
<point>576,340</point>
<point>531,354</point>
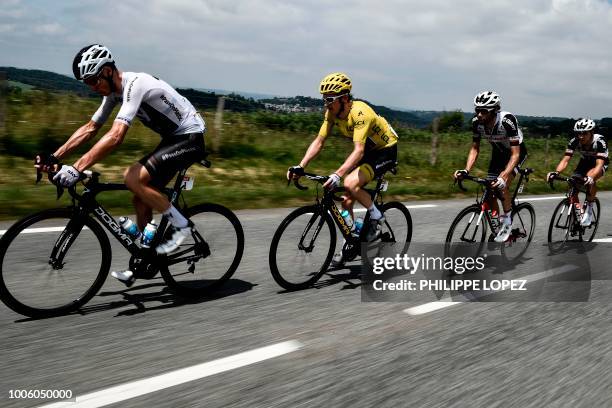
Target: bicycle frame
<point>485,200</point>
<point>326,204</point>
<point>87,204</point>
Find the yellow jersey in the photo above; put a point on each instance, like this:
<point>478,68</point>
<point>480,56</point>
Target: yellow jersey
<point>364,126</point>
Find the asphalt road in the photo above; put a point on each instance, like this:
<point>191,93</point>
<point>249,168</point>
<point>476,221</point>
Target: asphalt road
<point>325,347</point>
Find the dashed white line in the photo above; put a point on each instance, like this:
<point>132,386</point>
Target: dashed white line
<point>447,302</point>
<point>137,388</point>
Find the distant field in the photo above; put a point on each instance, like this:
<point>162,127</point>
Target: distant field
<point>251,154</point>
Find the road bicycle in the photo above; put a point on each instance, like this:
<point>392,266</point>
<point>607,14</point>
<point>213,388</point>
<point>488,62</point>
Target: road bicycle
<point>565,221</point>
<point>468,231</point>
<point>54,261</point>
<point>303,245</point>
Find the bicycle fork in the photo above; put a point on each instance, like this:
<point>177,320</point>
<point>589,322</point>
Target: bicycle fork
<point>65,241</point>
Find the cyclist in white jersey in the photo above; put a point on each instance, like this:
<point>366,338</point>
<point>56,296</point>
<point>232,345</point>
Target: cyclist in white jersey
<point>159,107</point>
<point>501,129</point>
<point>593,162</point>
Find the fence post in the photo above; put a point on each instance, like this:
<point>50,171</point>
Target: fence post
<point>218,124</point>
<point>434,141</point>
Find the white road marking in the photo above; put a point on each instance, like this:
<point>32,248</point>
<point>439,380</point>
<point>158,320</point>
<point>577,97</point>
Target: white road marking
<point>141,387</point>
<point>447,302</point>
<point>38,230</point>
<point>602,240</point>
<point>528,199</point>
<point>408,206</point>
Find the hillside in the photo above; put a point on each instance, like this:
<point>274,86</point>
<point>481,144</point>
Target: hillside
<point>532,125</point>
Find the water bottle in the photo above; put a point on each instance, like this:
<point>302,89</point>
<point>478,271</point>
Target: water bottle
<point>129,227</point>
<point>358,225</point>
<point>148,234</point>
<point>347,218</point>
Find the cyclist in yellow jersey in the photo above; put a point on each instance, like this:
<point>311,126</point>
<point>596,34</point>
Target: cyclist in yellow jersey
<point>375,145</point>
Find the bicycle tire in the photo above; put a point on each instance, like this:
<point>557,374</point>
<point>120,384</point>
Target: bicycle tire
<point>12,241</point>
<point>592,229</point>
<point>389,228</point>
<point>314,273</point>
<point>522,232</point>
<point>212,222</point>
<point>471,212</point>
<point>568,222</point>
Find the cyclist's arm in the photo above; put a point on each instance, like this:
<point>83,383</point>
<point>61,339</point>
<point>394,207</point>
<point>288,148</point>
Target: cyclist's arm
<point>80,136</point>
<point>564,162</point>
<point>597,171</point>
<point>352,160</point>
<point>107,143</point>
<point>515,155</point>
<point>313,150</point>
<point>473,155</point>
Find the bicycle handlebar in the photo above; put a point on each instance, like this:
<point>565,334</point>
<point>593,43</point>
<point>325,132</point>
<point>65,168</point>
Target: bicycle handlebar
<point>310,176</point>
<point>573,181</point>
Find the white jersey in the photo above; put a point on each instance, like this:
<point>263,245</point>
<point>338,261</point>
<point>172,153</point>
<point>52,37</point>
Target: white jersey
<point>505,133</point>
<point>158,105</point>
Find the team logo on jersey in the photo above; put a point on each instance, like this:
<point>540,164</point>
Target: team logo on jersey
<point>129,92</point>
<point>509,123</point>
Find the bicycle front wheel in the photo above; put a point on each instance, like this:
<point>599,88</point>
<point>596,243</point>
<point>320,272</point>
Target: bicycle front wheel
<point>466,235</point>
<point>52,263</point>
<point>210,256</point>
<point>302,248</point>
<point>563,224</point>
<point>523,225</point>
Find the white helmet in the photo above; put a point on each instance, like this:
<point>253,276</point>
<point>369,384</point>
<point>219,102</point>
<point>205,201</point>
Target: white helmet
<point>487,100</point>
<point>90,60</point>
<point>584,125</point>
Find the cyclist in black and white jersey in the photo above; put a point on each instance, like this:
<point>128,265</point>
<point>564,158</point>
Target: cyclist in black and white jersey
<point>161,108</point>
<point>593,162</point>
<point>501,129</point>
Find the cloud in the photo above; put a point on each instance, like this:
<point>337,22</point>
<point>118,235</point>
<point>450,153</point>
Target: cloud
<point>546,57</point>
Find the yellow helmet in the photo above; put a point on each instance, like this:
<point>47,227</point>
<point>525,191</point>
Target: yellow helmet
<point>335,83</point>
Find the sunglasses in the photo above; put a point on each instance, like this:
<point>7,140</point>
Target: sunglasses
<point>92,81</point>
<point>484,110</point>
<point>582,133</point>
<point>328,100</point>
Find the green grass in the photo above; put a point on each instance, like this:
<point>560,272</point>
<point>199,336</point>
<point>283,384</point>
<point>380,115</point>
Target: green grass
<point>251,155</point>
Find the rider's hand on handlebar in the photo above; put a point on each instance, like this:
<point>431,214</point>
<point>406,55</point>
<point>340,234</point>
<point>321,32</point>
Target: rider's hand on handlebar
<point>460,174</point>
<point>295,172</point>
<point>500,183</point>
<point>332,182</point>
<point>551,176</point>
<point>68,176</point>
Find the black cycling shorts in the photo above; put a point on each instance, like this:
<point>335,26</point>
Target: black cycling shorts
<point>376,162</point>
<point>585,165</point>
<point>171,155</point>
<point>500,159</point>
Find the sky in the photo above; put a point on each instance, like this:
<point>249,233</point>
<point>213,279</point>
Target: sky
<point>544,57</point>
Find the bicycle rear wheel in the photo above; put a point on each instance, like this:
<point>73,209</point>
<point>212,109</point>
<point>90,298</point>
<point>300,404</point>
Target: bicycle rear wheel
<point>395,234</point>
<point>302,248</point>
<point>466,236</point>
<point>523,225</point>
<point>210,256</point>
<point>588,233</point>
<point>52,263</point>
